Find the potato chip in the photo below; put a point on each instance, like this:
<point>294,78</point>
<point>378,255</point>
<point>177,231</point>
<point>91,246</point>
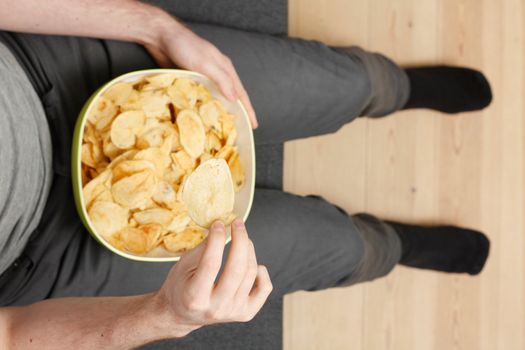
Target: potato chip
<point>228,219</point>
<point>173,175</point>
<point>150,204</point>
<point>191,132</point>
<point>183,241</point>
<point>135,190</point>
<point>225,152</point>
<point>183,160</point>
<point>92,173</point>
<point>101,166</point>
<point>91,152</point>
<point>157,157</point>
<point>155,136</point>
<point>179,222</point>
<point>166,146</point>
<point>158,216</point>
<point>125,127</point>
<point>232,138</point>
<point>213,142</point>
<point>150,123</point>
<point>85,175</point>
<point>203,94</point>
<point>119,93</point>
<point>109,149</point>
<point>102,113</point>
<point>156,107</point>
<point>237,171</point>
<point>96,186</point>
<point>126,155</point>
<point>227,124</point>
<point>90,134</point>
<point>104,123</point>
<point>108,218</point>
<point>177,98</point>
<point>105,196</point>
<point>175,142</point>
<point>183,93</point>
<point>116,241</point>
<point>134,240</point>
<point>208,192</point>
<point>92,191</point>
<point>189,88</point>
<point>153,233</point>
<point>133,102</point>
<point>130,167</point>
<point>161,80</point>
<point>132,223</point>
<point>210,113</point>
<point>164,194</point>
<point>204,157</point>
<point>87,155</point>
<point>179,190</point>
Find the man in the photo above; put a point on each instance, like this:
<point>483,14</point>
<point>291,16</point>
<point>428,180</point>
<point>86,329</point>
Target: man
<point>71,292</point>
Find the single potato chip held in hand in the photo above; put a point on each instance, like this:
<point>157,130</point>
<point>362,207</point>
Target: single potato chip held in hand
<point>208,192</point>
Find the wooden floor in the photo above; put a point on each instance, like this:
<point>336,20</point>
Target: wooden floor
<point>421,166</point>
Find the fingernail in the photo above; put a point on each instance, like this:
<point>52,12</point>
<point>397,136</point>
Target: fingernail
<point>237,223</point>
<point>218,226</point>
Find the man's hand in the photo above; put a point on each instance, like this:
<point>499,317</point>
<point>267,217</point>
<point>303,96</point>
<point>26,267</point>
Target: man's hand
<point>189,299</point>
<point>179,45</point>
<point>193,299</point>
<point>167,40</point>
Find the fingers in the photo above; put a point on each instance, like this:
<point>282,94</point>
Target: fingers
<point>231,86</point>
<point>241,92</point>
<point>243,96</point>
<point>236,264</point>
<point>211,259</point>
<point>222,78</point>
<point>260,292</point>
<point>251,273</point>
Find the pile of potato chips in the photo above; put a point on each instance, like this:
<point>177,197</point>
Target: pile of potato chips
<point>141,141</point>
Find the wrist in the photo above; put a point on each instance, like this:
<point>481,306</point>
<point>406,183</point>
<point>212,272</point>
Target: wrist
<point>147,317</point>
<point>156,24</point>
<point>164,318</point>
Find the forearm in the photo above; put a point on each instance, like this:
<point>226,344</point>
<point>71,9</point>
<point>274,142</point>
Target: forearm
<point>126,20</point>
<point>88,323</point>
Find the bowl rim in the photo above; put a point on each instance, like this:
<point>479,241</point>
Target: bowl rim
<point>76,166</point>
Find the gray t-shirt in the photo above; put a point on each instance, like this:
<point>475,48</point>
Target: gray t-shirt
<point>25,159</point>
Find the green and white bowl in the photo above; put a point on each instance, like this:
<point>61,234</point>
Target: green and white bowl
<point>245,145</point>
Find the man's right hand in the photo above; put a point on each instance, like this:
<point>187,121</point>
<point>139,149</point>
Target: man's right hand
<point>189,299</point>
<point>192,298</point>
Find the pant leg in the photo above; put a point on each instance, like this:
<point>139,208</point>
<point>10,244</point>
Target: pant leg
<point>309,244</point>
<point>302,88</point>
<point>299,88</point>
<point>306,243</point>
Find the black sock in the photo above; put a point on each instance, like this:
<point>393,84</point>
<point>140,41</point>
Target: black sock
<point>448,89</point>
<point>443,248</point>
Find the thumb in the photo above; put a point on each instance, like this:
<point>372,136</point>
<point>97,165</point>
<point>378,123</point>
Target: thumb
<point>160,58</point>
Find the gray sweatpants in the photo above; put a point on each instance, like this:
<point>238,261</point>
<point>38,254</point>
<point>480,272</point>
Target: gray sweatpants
<point>298,88</point>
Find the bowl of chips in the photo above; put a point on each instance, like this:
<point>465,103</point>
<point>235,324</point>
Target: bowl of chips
<point>157,156</point>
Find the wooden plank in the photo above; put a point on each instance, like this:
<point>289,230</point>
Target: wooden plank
<point>421,166</point>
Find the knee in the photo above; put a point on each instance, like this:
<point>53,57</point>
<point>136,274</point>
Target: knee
<point>349,247</point>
